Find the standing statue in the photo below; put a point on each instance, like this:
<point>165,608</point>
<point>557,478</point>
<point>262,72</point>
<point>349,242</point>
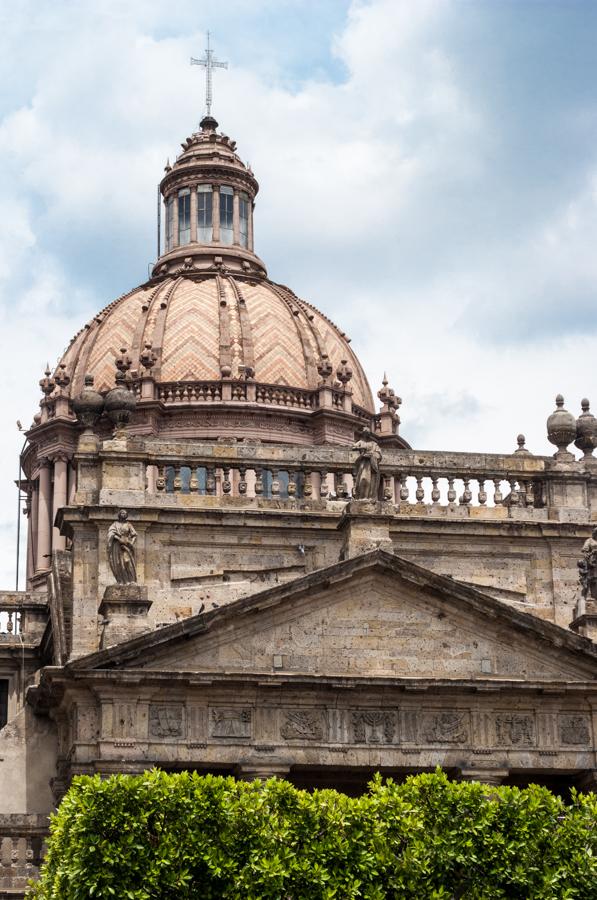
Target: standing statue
<point>587,567</point>
<point>121,549</point>
<point>366,479</point>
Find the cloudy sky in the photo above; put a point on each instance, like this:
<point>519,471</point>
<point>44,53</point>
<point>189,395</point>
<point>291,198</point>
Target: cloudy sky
<point>428,174</point>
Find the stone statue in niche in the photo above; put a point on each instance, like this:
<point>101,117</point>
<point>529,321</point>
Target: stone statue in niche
<point>587,567</point>
<point>366,479</point>
<point>121,549</point>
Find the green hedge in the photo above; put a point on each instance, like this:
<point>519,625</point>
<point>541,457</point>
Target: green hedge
<point>181,836</point>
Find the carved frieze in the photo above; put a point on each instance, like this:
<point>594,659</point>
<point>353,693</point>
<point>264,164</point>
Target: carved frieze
<point>231,722</point>
<point>447,727</point>
<point>373,727</point>
<point>303,724</point>
<point>515,730</point>
<point>574,730</point>
<point>165,721</point>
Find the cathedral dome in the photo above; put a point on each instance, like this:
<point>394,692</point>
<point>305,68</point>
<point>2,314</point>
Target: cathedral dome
<point>210,346</point>
<point>190,329</point>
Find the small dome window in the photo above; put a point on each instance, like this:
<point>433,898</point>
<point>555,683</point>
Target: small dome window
<point>243,219</point>
<point>169,223</point>
<point>184,217</point>
<point>204,213</point>
<point>226,215</point>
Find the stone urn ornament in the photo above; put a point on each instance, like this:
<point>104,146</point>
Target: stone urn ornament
<point>561,429</point>
<point>89,405</point>
<point>120,403</point>
<point>586,430</point>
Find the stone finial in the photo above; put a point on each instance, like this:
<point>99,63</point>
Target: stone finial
<point>89,405</point>
<point>344,372</point>
<point>586,430</point>
<point>324,367</point>
<point>147,358</point>
<point>123,362</point>
<point>521,441</point>
<point>120,403</point>
<point>62,378</point>
<point>390,400</point>
<point>561,428</point>
<point>47,383</point>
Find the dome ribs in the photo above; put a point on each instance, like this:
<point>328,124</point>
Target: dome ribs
<point>136,343</point>
<point>157,342</point>
<point>247,347</point>
<point>224,329</point>
<point>294,308</point>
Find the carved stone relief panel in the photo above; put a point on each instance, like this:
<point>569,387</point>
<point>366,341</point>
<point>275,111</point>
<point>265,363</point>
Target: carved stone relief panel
<point>515,730</point>
<point>230,722</point>
<point>574,730</point>
<point>304,724</point>
<point>445,727</point>
<point>165,721</point>
<point>373,727</point>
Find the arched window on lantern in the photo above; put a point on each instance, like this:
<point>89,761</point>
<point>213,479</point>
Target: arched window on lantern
<point>204,213</point>
<point>226,215</point>
<point>184,216</point>
<point>169,223</point>
<point>243,219</point>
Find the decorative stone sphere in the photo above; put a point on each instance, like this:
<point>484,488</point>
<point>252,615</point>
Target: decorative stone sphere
<point>120,403</point>
<point>586,430</point>
<point>89,405</point>
<point>561,426</point>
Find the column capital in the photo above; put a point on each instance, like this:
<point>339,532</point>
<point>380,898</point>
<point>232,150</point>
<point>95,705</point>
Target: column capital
<point>262,772</point>
<point>485,776</point>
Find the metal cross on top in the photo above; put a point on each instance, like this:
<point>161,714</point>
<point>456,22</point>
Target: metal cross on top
<point>209,62</point>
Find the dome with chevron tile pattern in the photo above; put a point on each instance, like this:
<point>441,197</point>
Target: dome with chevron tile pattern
<point>191,330</point>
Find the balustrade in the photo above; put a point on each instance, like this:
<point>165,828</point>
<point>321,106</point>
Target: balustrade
<point>415,483</point>
<point>10,621</point>
<point>22,848</point>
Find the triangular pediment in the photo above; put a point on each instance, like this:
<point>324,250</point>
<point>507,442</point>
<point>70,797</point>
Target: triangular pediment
<point>373,616</point>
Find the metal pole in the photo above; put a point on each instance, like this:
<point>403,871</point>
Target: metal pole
<point>19,515</point>
<point>159,223</point>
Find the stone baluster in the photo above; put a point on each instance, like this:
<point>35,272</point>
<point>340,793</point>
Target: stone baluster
<point>482,492</point>
<point>323,483</point>
<point>292,486</point>
<point>44,533</point>
<point>193,481</point>
<point>226,483</point>
<point>514,499</point>
<point>498,498</point>
<point>420,492</point>
<point>210,481</point>
<point>467,494</point>
<point>259,482</point>
<point>388,487</point>
<point>308,485</point>
<point>404,489</point>
<point>435,492</point>
<point>529,493</point>
<point>451,492</point>
<point>242,481</point>
<point>275,483</point>
<point>177,483</point>
<point>161,479</point>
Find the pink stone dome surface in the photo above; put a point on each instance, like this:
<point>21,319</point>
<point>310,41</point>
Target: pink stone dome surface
<point>198,325</point>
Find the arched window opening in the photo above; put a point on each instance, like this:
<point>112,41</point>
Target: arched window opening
<point>243,219</point>
<point>204,213</point>
<point>226,215</point>
<point>184,216</point>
